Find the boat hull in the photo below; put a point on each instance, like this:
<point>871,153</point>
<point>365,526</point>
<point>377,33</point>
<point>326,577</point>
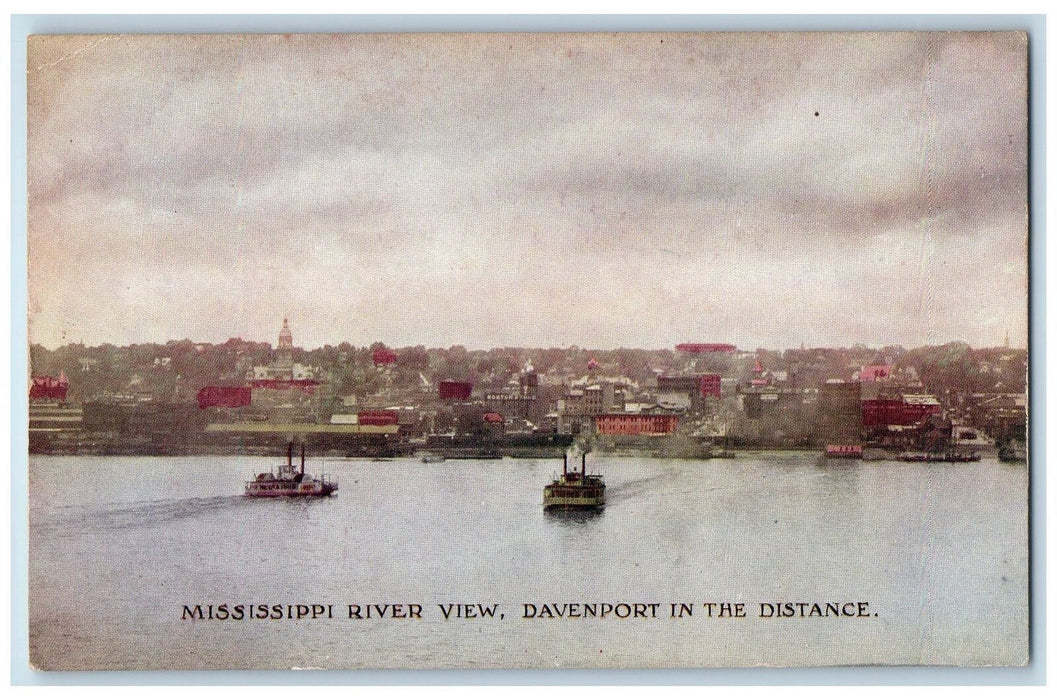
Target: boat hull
<point>290,493</point>
<point>567,496</point>
<point>282,491</point>
<point>573,503</point>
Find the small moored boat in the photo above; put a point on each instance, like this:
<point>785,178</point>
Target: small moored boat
<point>949,456</point>
<point>843,452</point>
<point>1012,451</point>
<point>839,454</point>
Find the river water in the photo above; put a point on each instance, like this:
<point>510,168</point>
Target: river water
<point>119,545</point>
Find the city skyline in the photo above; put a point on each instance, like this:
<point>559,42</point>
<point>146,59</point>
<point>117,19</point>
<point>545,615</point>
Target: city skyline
<point>750,347</point>
<point>767,190</point>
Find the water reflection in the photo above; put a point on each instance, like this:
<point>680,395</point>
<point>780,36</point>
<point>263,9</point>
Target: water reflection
<point>573,517</point>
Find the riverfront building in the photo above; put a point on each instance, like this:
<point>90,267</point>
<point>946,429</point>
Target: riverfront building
<point>655,424</point>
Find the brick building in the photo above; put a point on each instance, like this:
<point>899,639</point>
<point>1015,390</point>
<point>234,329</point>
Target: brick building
<point>636,424</point>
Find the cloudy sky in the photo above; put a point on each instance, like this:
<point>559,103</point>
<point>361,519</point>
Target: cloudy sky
<point>642,190</point>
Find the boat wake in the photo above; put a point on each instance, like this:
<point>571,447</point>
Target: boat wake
<point>629,490</point>
<point>134,515</point>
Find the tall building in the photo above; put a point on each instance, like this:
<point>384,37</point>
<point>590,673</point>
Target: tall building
<point>839,413</point>
<point>284,369</point>
<point>286,345</point>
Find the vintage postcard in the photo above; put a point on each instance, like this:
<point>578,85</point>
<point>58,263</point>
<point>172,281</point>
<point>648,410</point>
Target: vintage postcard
<point>431,351</point>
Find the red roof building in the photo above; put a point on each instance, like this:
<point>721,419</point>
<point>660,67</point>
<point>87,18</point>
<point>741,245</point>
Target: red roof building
<point>224,396</point>
<point>710,385</point>
<point>49,387</point>
<point>907,410</point>
<point>875,373</point>
<point>376,417</point>
<point>636,424</point>
<point>449,390</point>
<point>383,356</point>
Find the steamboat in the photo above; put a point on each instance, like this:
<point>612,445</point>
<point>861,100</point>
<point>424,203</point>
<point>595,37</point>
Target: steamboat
<point>575,490</point>
<point>288,480</point>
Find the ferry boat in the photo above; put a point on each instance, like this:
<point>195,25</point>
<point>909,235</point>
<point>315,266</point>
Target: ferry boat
<point>288,480</point>
<point>575,490</point>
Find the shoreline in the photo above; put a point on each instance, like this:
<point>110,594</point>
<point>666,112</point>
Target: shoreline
<point>412,452</point>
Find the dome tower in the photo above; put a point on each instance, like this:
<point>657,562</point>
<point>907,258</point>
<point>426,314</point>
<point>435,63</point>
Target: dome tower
<point>286,345</point>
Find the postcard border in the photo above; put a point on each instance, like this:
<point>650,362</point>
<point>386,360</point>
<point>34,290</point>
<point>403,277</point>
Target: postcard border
<point>1035,25</point>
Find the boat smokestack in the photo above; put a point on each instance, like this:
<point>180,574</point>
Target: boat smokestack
<point>289,454</point>
<point>565,463</point>
<point>302,459</point>
<point>583,464</point>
